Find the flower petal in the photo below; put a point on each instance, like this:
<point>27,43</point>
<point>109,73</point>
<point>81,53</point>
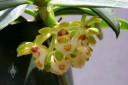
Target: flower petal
<point>93,31</point>
<point>78,61</point>
<point>60,67</point>
<point>63,25</point>
<point>24,48</point>
<point>40,56</point>
<point>91,40</point>
<point>66,48</point>
<point>63,39</point>
<point>45,30</point>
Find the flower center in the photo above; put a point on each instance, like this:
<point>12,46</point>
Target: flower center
<point>67,47</point>
<point>39,64</point>
<point>87,26</point>
<point>61,67</point>
<point>87,51</point>
<point>34,49</point>
<point>63,39</point>
<point>62,32</point>
<point>83,37</point>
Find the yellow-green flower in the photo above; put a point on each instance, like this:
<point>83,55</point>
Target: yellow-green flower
<point>59,67</point>
<point>39,54</point>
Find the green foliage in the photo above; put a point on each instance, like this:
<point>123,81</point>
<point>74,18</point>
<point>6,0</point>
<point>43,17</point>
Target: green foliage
<point>123,24</point>
<point>91,3</point>
<point>4,4</point>
<point>10,15</point>
<point>109,17</point>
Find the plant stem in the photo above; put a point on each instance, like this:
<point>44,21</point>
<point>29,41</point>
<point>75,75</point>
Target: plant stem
<point>64,80</point>
<point>46,12</point>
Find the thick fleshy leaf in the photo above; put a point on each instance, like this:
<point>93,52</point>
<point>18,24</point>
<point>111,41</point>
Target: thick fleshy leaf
<point>109,17</point>
<point>91,3</point>
<point>72,11</point>
<point>4,4</point>
<point>123,24</point>
<point>10,15</point>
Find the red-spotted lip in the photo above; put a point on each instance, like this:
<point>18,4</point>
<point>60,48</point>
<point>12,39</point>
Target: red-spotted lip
<point>83,37</point>
<point>34,49</point>
<point>62,32</point>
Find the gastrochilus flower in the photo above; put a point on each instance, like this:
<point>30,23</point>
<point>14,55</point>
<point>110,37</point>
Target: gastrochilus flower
<point>70,45</point>
<point>39,52</point>
<point>83,40</point>
<point>65,45</point>
<point>80,57</point>
<point>60,67</point>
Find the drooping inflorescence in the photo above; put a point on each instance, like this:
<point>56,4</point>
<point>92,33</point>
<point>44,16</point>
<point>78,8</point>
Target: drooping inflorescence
<point>70,45</point>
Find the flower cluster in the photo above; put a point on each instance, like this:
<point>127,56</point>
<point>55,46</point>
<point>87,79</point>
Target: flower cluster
<point>70,45</point>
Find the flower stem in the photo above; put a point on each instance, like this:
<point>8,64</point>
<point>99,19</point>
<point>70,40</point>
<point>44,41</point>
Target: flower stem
<point>64,80</point>
<point>46,12</point>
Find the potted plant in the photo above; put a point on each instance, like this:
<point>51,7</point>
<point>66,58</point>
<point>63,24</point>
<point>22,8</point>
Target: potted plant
<point>42,50</point>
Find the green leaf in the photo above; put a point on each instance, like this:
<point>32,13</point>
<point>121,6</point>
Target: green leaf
<point>123,24</point>
<point>72,11</point>
<point>4,4</point>
<point>109,17</point>
<point>31,12</point>
<point>10,15</point>
<point>91,3</point>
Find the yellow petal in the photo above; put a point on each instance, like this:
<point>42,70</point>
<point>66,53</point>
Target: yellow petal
<point>93,31</point>
<point>24,48</point>
<point>24,45</point>
<point>75,25</point>
<point>41,38</point>
<point>25,51</point>
<point>91,40</point>
<point>63,25</point>
<point>45,30</point>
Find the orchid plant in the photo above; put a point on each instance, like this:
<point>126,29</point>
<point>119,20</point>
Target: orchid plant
<point>70,43</point>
